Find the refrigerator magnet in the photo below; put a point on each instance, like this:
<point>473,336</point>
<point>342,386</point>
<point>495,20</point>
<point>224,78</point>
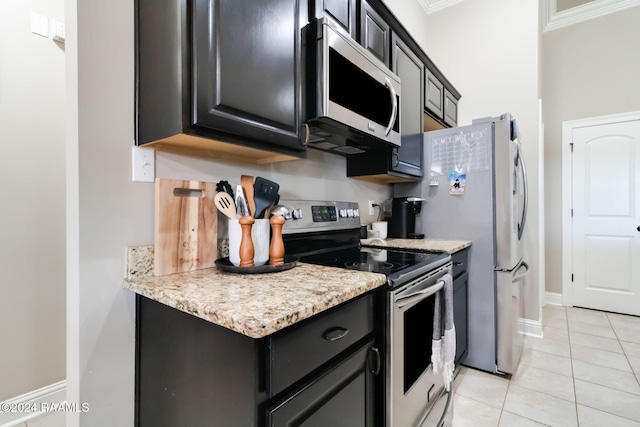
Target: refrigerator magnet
<point>457,182</point>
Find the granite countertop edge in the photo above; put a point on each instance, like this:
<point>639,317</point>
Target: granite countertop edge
<point>428,244</point>
<point>256,305</point>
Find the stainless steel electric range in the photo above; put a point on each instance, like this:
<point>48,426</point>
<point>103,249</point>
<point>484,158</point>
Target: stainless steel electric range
<point>328,233</point>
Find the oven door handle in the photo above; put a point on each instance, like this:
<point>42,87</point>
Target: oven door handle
<point>416,297</point>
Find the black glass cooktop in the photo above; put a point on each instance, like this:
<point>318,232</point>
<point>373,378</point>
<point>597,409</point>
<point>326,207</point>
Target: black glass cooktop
<point>374,260</point>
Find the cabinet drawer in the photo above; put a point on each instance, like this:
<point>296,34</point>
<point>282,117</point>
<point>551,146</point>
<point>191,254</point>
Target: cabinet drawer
<point>459,262</point>
<point>299,350</point>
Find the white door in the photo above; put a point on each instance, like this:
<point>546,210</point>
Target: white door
<point>606,217</point>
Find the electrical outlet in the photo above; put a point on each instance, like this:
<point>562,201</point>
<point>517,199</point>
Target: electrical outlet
<point>143,162</point>
<point>372,210</point>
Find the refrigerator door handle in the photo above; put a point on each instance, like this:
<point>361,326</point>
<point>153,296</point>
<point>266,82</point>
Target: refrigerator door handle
<point>519,276</point>
<point>526,195</point>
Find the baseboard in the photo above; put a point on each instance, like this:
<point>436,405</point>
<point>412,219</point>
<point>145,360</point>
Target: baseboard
<point>26,403</point>
<point>530,327</point>
<point>553,298</point>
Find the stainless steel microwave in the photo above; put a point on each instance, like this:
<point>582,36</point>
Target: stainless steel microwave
<point>352,98</point>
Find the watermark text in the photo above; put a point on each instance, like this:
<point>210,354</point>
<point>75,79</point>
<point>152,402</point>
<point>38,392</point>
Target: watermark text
<point>28,407</point>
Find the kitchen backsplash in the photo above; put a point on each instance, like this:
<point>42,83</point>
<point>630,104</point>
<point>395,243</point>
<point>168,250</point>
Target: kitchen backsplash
<point>321,176</point>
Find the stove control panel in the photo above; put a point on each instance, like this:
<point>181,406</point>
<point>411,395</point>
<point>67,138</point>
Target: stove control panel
<point>323,213</point>
<point>314,215</point>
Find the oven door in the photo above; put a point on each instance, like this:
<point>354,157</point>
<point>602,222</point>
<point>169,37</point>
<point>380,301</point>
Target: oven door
<point>412,387</point>
<point>441,414</point>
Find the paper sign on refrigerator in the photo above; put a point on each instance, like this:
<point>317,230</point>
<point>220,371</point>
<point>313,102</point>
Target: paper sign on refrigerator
<point>457,182</point>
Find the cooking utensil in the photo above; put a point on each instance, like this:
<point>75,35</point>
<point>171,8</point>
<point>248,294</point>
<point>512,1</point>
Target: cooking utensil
<point>186,226</point>
<point>241,202</point>
<point>226,187</point>
<point>225,204</point>
<point>246,181</point>
<point>265,193</point>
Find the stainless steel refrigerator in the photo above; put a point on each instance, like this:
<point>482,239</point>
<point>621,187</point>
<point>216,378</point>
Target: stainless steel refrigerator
<point>475,188</point>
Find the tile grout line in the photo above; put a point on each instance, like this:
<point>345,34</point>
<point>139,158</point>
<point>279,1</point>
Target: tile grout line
<point>626,356</point>
<point>573,376</point>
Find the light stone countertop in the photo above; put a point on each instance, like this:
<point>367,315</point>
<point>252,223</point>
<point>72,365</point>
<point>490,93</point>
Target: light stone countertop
<point>451,246</point>
<point>255,305</point>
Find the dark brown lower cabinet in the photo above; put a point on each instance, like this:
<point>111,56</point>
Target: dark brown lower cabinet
<point>341,396</point>
<point>460,308</point>
<point>319,372</point>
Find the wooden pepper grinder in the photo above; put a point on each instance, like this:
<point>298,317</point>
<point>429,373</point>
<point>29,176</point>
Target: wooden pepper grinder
<point>276,249</point>
<point>246,242</point>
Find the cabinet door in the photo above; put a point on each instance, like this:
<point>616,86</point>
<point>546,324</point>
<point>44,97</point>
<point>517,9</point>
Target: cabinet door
<point>342,11</point>
<point>460,308</point>
<point>408,158</point>
<point>433,94</point>
<point>375,33</point>
<point>248,70</point>
<point>450,109</point>
<point>340,396</point>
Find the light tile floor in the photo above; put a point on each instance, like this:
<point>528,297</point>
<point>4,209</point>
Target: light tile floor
<point>584,372</point>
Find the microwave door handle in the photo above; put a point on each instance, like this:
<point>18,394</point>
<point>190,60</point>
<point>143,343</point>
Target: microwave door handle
<point>394,103</point>
<point>416,297</point>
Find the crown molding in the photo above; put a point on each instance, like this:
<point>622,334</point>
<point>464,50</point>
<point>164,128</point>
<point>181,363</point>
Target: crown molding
<point>554,20</point>
<point>431,6</point>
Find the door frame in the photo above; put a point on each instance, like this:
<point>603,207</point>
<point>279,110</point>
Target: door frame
<point>567,170</point>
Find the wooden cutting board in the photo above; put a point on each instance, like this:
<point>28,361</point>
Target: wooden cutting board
<point>186,226</point>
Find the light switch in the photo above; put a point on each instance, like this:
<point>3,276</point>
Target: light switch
<point>143,162</point>
<point>39,24</point>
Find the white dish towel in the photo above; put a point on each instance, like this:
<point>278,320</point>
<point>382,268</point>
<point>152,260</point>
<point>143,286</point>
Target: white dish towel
<point>443,346</point>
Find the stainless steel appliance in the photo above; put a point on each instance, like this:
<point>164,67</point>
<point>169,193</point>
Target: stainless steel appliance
<point>489,207</point>
<point>353,99</point>
<point>327,233</point>
<point>412,386</point>
<point>402,223</point>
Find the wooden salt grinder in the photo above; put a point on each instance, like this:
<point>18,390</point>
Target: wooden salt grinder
<point>276,249</point>
<point>246,243</point>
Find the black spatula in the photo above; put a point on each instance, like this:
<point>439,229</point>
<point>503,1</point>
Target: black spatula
<point>265,193</point>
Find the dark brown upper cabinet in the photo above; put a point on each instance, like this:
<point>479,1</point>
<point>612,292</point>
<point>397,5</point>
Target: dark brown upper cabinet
<point>450,109</point>
<point>433,95</point>
<point>342,11</point>
<point>222,78</point>
<point>408,158</point>
<point>439,102</point>
<point>375,33</point>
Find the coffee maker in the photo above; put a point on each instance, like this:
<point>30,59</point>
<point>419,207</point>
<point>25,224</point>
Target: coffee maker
<point>403,217</point>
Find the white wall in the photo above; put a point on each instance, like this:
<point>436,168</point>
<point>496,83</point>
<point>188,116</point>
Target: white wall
<point>589,69</point>
<point>489,52</point>
<point>32,184</point>
<point>108,212</point>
